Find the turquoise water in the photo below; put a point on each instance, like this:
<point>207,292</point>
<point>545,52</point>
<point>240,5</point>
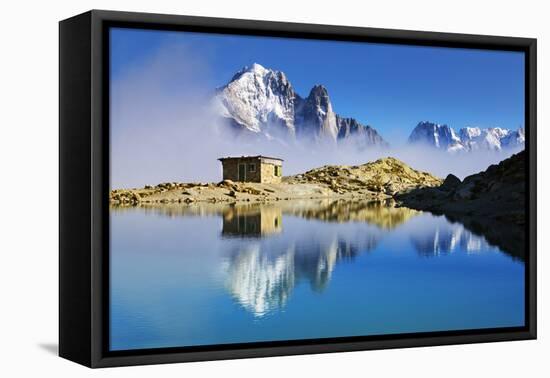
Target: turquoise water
<point>216,274</point>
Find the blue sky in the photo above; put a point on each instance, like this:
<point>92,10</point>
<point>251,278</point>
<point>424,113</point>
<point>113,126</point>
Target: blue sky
<point>391,87</point>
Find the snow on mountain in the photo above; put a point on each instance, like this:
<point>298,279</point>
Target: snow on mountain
<point>474,138</point>
<point>436,135</point>
<point>262,101</point>
<point>467,139</point>
<point>514,138</point>
<point>259,100</point>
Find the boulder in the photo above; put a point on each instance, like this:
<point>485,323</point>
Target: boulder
<point>390,189</point>
<point>451,183</point>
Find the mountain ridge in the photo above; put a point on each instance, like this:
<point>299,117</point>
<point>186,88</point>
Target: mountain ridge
<point>442,136</point>
<point>260,101</point>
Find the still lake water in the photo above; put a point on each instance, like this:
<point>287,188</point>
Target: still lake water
<point>214,274</point>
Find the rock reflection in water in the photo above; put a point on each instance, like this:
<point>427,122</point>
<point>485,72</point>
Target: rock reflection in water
<point>261,276</point>
<point>268,216</point>
<point>382,214</point>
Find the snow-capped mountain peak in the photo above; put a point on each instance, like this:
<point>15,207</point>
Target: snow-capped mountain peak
<point>259,100</point>
<point>258,68</point>
<point>254,70</point>
<point>262,101</point>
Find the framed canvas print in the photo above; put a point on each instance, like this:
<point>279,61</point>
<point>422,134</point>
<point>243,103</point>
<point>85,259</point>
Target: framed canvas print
<point>233,188</point>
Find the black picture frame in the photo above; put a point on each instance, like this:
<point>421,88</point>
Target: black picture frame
<point>84,187</point>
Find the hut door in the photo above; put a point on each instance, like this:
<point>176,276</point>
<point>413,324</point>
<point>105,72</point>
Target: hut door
<point>242,172</point>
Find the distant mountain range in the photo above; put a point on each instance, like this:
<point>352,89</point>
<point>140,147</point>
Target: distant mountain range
<point>467,139</point>
<point>259,101</point>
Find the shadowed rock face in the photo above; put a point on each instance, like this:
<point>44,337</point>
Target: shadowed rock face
<point>451,182</point>
<point>315,117</point>
<point>361,135</point>
<point>491,203</point>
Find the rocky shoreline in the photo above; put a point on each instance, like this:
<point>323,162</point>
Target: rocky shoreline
<point>491,202</point>
<point>377,180</point>
<point>228,191</point>
<point>497,193</point>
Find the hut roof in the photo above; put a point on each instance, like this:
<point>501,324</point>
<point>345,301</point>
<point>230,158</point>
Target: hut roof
<point>249,157</point>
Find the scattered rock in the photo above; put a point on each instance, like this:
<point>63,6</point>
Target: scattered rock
<point>226,184</point>
<point>251,190</point>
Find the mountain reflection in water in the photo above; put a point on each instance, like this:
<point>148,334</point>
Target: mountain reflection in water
<point>211,273</point>
<point>261,275</point>
<point>446,238</point>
